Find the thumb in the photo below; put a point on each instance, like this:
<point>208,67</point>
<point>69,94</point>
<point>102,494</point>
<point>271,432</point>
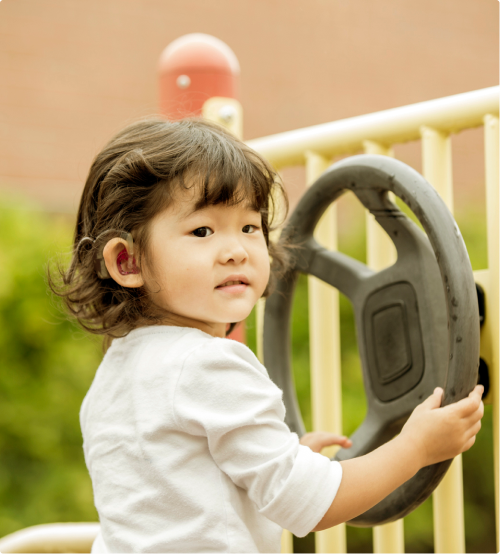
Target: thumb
<point>434,400</point>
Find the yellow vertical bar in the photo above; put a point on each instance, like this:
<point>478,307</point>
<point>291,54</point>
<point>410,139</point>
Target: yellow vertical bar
<point>259,327</point>
<point>226,112</point>
<point>436,163</point>
<point>286,542</point>
<point>381,253</point>
<point>389,537</point>
<point>448,503</point>
<point>380,250</point>
<point>491,144</point>
<point>324,331</point>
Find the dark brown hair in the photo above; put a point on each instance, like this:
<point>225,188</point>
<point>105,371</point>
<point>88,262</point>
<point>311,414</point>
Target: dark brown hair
<point>133,179</point>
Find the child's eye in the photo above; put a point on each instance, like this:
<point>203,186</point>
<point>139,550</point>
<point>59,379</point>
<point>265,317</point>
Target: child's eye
<point>249,228</point>
<point>202,232</point>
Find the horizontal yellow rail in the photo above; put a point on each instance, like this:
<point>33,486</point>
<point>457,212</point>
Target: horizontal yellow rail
<point>448,115</point>
<point>52,537</point>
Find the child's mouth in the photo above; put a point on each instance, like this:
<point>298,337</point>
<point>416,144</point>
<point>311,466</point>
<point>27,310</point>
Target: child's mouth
<point>233,286</point>
<point>231,283</point>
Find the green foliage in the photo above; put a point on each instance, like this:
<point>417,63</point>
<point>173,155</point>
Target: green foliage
<point>47,364</point>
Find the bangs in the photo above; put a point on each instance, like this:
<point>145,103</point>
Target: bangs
<point>230,181</point>
<point>217,167</point>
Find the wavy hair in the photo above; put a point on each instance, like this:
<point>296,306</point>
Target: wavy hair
<point>133,179</point>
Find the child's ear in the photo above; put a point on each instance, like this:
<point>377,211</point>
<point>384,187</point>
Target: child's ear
<point>120,264</point>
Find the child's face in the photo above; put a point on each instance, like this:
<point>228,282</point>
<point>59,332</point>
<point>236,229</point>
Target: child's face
<point>195,253</point>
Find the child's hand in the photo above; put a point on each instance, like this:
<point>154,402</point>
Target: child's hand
<point>431,434</point>
<point>443,433</point>
<point>318,440</point>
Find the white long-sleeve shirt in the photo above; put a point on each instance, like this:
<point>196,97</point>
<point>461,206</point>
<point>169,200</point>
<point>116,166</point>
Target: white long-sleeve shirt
<point>186,445</point>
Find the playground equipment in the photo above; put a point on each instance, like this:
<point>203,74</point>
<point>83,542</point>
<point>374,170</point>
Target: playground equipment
<point>193,69</point>
<point>432,122</point>
<point>417,328</point>
<point>315,147</point>
<point>55,537</point>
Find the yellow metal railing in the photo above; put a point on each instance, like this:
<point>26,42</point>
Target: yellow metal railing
<point>432,122</point>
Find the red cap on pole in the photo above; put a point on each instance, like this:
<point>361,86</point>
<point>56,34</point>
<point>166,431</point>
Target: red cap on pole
<point>192,69</point>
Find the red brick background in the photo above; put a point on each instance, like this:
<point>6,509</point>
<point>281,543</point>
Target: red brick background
<point>74,72</point>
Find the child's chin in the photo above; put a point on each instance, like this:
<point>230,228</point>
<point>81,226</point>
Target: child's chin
<point>236,317</point>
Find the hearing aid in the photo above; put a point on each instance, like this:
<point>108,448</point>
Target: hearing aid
<point>125,260</point>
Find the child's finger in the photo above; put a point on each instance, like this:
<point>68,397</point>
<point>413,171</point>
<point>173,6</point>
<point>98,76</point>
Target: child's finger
<point>472,430</point>
<point>468,406</point>
<point>469,443</point>
<point>477,391</point>
<point>346,443</point>
<point>475,415</point>
<point>329,439</point>
<point>476,428</point>
<point>322,439</point>
<point>434,400</point>
<point>478,414</point>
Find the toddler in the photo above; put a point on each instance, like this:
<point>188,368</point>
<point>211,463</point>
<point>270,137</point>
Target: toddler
<point>184,433</point>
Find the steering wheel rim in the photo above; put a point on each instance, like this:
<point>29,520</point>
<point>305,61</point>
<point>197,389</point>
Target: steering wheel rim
<point>417,321</point>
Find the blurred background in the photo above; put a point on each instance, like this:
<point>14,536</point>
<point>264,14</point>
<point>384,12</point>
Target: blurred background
<point>74,73</point>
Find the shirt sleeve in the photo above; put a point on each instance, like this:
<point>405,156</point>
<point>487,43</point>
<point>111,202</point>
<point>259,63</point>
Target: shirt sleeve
<point>225,394</point>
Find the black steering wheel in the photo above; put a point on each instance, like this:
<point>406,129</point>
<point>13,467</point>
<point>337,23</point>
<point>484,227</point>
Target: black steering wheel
<point>417,322</point>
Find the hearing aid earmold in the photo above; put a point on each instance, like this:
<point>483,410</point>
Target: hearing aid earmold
<point>125,260</point>
<point>126,263</point>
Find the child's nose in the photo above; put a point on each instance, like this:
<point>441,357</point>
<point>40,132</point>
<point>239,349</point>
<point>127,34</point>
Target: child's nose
<point>234,252</point>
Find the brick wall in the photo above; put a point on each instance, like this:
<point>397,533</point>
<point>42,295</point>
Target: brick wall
<point>73,72</point>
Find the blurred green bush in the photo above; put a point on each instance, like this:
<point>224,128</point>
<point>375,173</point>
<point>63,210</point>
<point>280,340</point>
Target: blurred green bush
<point>47,364</point>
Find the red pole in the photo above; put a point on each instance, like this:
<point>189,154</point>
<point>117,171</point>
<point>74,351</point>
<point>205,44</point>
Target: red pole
<point>192,69</point>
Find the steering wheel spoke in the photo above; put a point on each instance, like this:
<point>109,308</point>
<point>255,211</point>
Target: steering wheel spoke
<point>334,268</point>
